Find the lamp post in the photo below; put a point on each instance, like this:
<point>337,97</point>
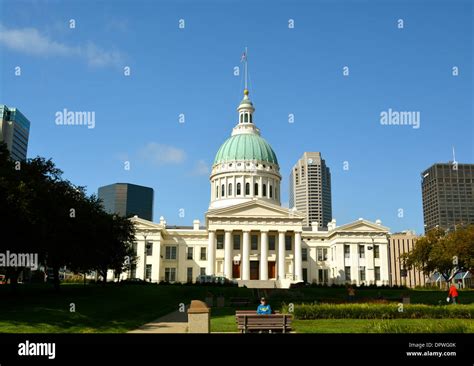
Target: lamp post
<point>373,257</point>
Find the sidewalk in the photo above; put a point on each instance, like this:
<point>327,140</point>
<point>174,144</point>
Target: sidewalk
<point>175,322</point>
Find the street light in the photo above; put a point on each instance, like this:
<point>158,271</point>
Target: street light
<point>145,234</point>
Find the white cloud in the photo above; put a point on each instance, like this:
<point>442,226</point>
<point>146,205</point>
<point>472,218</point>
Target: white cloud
<point>31,42</point>
<point>201,168</point>
<point>160,154</point>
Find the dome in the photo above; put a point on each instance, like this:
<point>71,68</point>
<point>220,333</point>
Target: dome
<point>246,147</point>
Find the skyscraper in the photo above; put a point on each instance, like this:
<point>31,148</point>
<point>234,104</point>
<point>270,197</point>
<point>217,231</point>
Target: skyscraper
<point>127,199</point>
<point>310,189</point>
<point>14,131</point>
<point>448,195</point>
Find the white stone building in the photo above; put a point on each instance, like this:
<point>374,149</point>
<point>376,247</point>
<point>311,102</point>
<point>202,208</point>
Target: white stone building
<point>248,236</point>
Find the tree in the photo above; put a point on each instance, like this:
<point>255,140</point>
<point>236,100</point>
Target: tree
<point>446,253</point>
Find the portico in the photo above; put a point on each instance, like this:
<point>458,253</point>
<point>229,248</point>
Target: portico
<point>255,241</point>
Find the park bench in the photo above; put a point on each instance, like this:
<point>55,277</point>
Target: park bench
<point>248,323</point>
<point>239,301</point>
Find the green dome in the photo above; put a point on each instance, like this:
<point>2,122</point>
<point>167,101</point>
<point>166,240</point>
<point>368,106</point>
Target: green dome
<point>246,147</point>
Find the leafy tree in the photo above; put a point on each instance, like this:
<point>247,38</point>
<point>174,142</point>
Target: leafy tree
<point>446,253</point>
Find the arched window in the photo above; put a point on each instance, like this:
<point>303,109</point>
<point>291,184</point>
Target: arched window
<point>241,117</point>
<point>217,191</point>
<point>251,118</point>
<point>246,118</point>
<point>255,188</point>
<point>264,190</point>
<point>229,193</point>
<point>271,191</point>
<point>247,189</point>
<point>238,189</point>
<point>223,191</point>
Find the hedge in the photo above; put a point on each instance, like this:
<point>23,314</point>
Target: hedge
<point>379,311</point>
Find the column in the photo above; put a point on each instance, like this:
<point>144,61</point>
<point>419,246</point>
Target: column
<point>264,255</point>
<point>245,275</point>
<point>281,255</point>
<point>298,257</point>
<point>211,253</point>
<point>228,254</point>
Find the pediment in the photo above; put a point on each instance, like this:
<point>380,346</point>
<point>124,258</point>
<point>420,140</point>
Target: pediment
<point>255,209</point>
<point>363,226</point>
<point>143,224</point>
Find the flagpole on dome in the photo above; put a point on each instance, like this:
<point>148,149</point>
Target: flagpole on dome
<point>244,59</point>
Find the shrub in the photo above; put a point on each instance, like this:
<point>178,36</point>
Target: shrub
<point>380,311</point>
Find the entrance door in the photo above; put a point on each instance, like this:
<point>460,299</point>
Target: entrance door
<point>271,270</point>
<point>305,274</point>
<point>236,270</point>
<point>254,270</point>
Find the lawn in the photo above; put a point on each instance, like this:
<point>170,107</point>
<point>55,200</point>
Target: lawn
<point>223,320</point>
<point>98,309</point>
<point>117,309</point>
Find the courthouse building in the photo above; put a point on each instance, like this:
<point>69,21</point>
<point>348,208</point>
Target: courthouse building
<point>249,237</point>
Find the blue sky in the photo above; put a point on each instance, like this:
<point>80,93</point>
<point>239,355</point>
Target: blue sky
<point>292,71</point>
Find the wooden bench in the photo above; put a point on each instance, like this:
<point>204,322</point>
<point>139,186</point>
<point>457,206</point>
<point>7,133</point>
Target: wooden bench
<point>248,323</point>
<point>239,301</point>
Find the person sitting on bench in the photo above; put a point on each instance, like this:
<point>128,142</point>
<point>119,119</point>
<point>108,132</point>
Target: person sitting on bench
<point>264,308</point>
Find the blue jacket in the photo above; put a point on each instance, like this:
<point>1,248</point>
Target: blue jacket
<point>264,309</point>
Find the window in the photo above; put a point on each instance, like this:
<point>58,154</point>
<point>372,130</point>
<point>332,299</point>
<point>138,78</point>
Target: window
<point>217,191</point>
<point>264,190</point>
<point>170,253</point>
<point>361,251</point>
<point>203,253</point>
<point>149,248</point>
<point>202,271</point>
<point>223,191</point>
<point>246,118</point>
<point>189,274</point>
<point>241,117</point>
<point>254,242</point>
<point>287,242</point>
<point>347,251</point>
<point>304,254</point>
<point>323,275</point>
<point>251,119</point>
<point>247,189</point>
<point>347,271</point>
<point>271,191</point>
<point>236,242</point>
<point>376,251</point>
<point>271,242</point>
<point>322,254</point>
<point>170,274</point>
<point>238,189</point>
<point>377,273</point>
<point>190,253</point>
<point>255,187</point>
<point>133,271</point>
<point>229,193</point>
<point>220,241</point>
<point>362,273</point>
<point>148,272</point>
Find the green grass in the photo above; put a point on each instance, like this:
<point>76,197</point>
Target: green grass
<point>99,309</point>
<point>384,326</point>
<point>115,309</point>
<point>223,320</point>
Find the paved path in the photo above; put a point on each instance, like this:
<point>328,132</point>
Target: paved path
<point>175,322</point>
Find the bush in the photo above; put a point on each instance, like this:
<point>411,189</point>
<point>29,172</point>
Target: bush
<point>380,311</point>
